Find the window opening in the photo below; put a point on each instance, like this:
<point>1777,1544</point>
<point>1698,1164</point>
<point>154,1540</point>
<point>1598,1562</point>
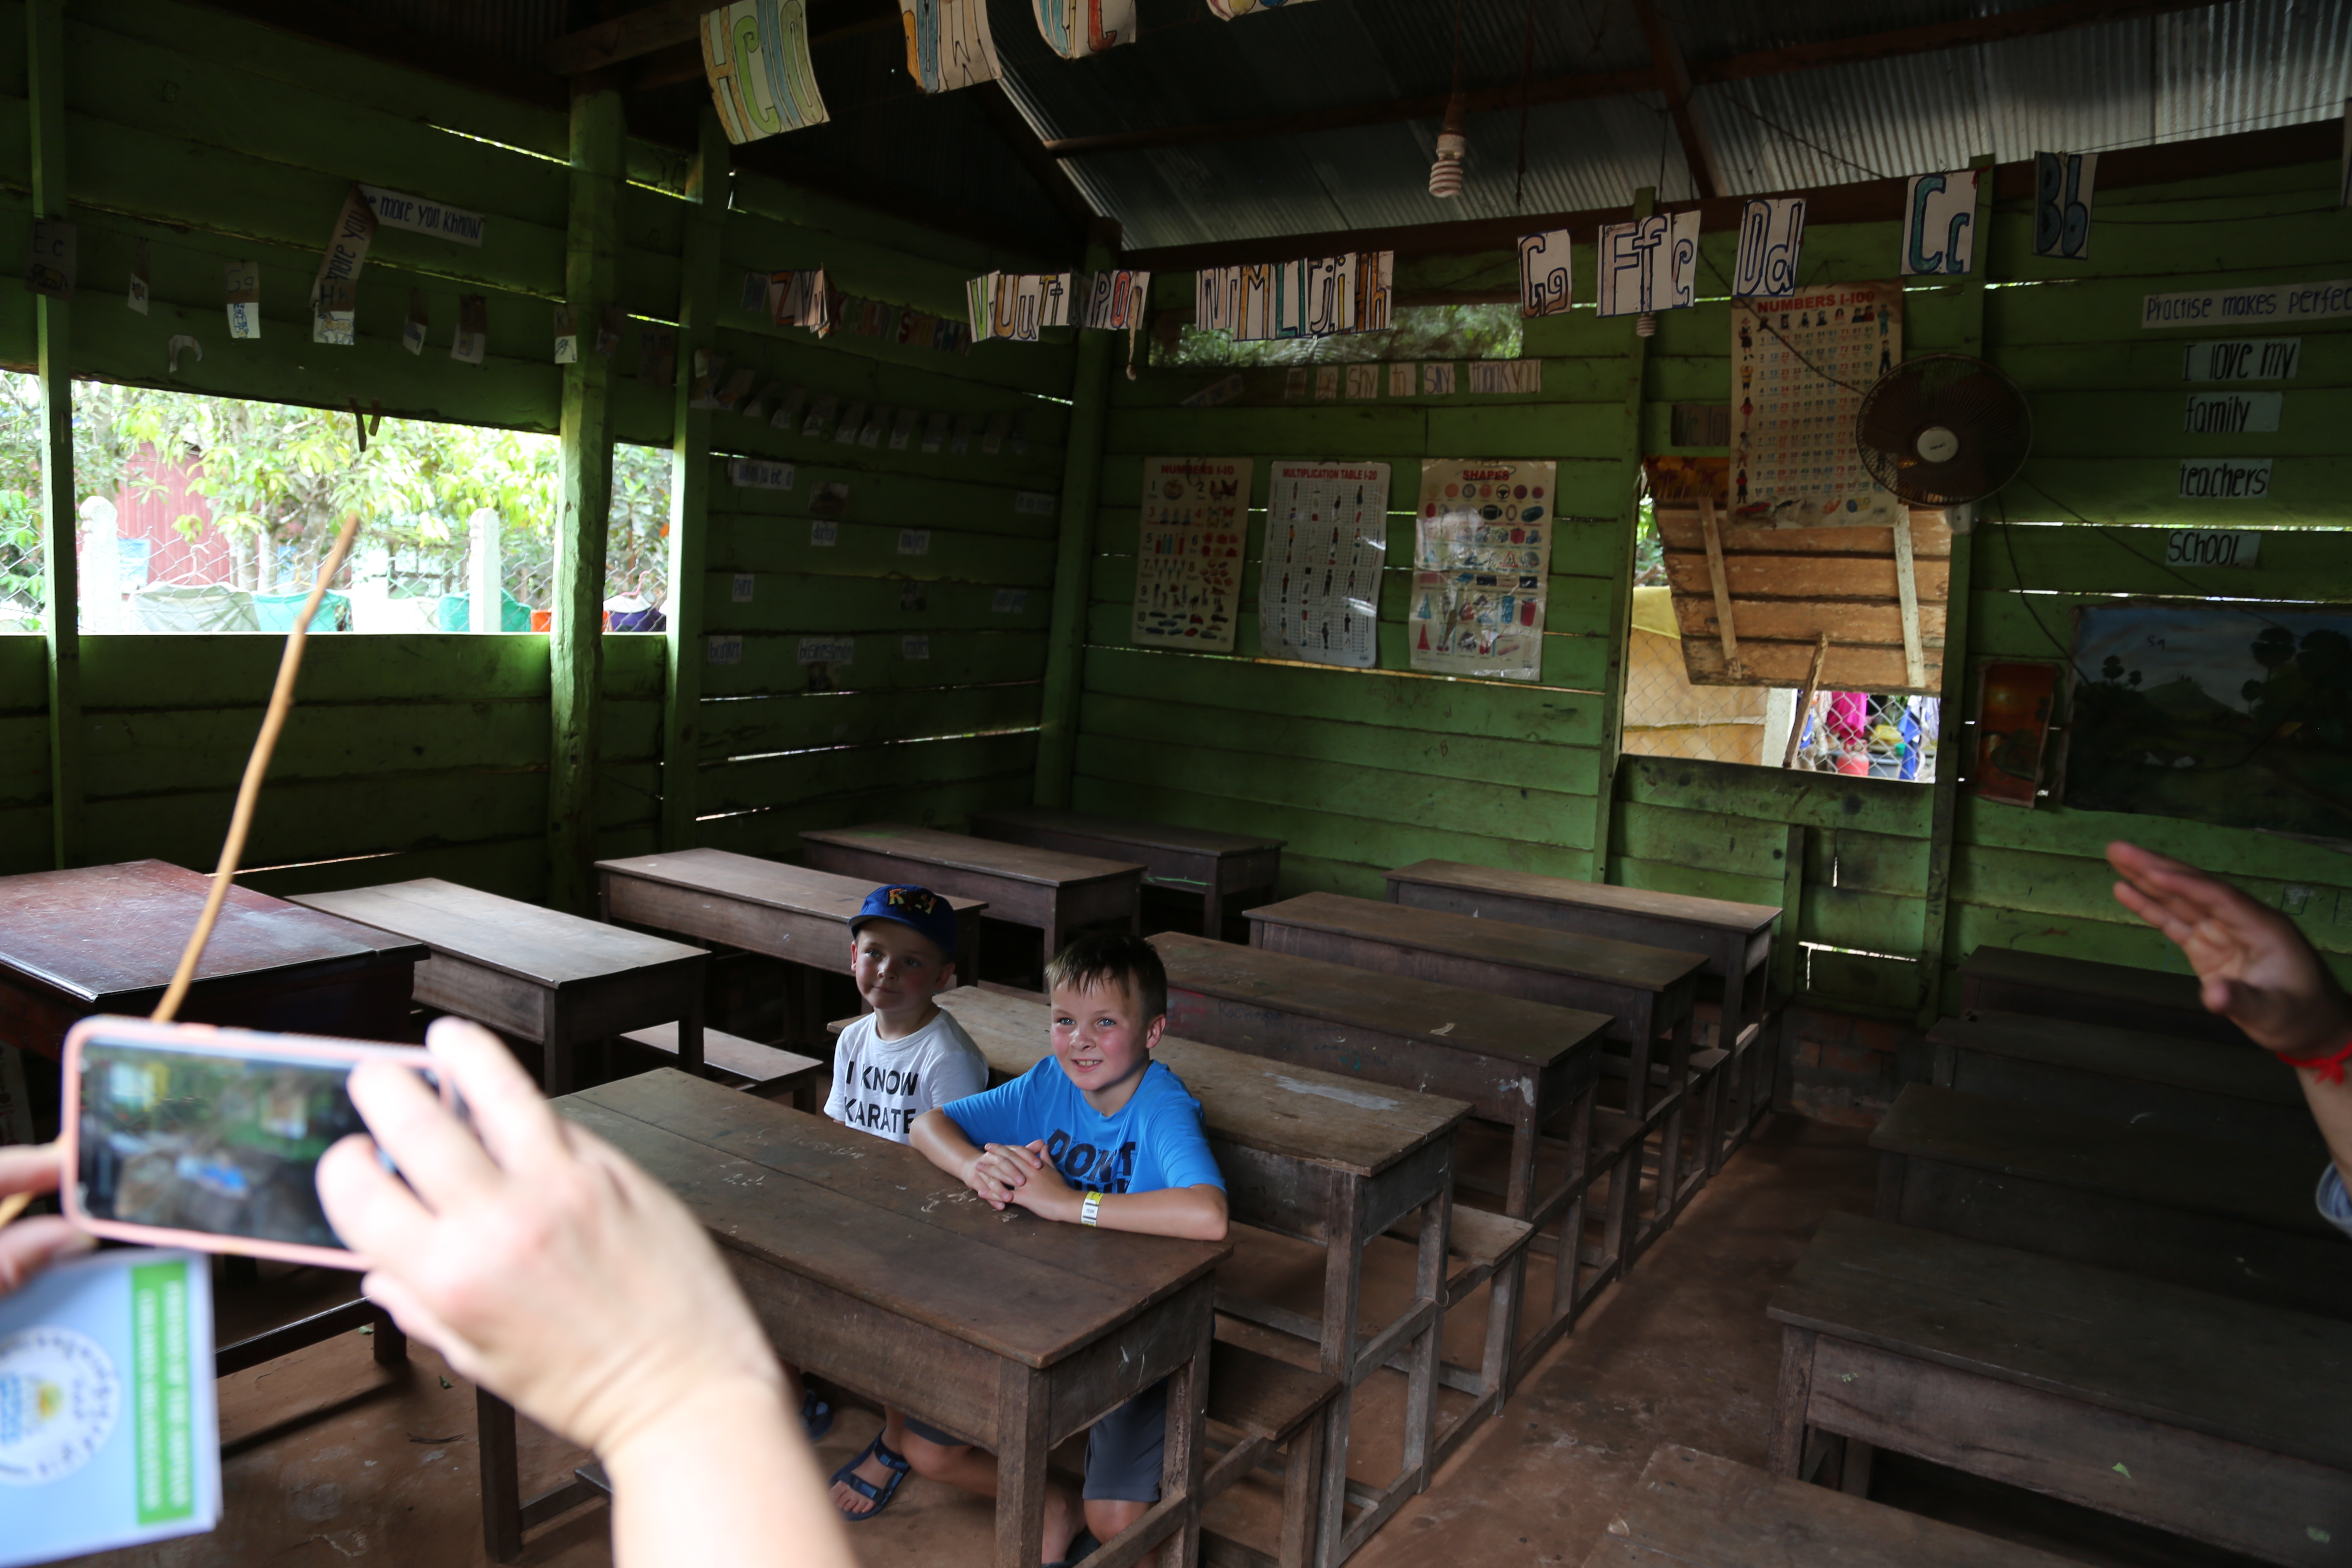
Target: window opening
<point>1419,332</point>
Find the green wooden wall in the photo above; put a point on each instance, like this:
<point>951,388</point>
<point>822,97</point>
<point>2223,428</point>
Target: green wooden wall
<point>214,140</point>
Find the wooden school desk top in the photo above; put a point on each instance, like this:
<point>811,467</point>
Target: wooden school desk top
<point>1153,834</point>
<point>747,879</point>
<point>542,946</point>
<point>2232,1369</point>
<point>878,1222</point>
<point>1536,1033</point>
<point>109,936</point>
<point>989,857</point>
<point>1745,918</point>
<point>2242,1070</point>
<point>1489,941</point>
<point>1298,1113</point>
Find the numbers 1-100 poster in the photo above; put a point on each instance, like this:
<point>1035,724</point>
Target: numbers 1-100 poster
<point>1188,551</point>
<point>1482,552</point>
<point>1326,541</point>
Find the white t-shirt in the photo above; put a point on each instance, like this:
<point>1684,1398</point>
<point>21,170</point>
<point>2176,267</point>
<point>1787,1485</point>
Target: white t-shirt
<point>881,1086</point>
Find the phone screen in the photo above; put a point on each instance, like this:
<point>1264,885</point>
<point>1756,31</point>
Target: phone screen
<point>213,1141</point>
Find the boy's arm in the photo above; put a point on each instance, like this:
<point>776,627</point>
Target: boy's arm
<point>1003,1174</point>
<point>994,1173</point>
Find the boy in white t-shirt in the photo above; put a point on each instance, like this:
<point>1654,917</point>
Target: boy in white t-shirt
<point>904,1058</point>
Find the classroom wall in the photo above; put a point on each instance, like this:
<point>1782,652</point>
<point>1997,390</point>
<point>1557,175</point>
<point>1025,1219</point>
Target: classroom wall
<point>1366,770</point>
<point>214,140</point>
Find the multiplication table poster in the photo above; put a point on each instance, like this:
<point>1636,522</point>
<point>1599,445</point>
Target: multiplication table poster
<point>1326,541</point>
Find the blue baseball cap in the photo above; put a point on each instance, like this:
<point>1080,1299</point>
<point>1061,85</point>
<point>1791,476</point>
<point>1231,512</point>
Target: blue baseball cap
<point>918,909</point>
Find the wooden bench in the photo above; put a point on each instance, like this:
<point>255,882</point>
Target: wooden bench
<point>1314,1156</point>
<point>1524,1068</point>
<point>1220,867</point>
<point>771,1074</point>
<point>2007,980</point>
<point>2217,1216</point>
<point>2210,1417</point>
<point>1694,1511</point>
<point>1735,938</point>
<point>2235,1093</point>
<point>1647,992</point>
<point>764,906</point>
<point>1055,893</point>
<point>555,980</point>
<point>1260,1406</point>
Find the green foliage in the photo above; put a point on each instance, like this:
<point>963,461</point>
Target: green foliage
<point>1420,331</point>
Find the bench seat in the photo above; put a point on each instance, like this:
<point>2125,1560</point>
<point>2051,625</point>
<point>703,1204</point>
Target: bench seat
<point>1266,1404</point>
<point>765,1071</point>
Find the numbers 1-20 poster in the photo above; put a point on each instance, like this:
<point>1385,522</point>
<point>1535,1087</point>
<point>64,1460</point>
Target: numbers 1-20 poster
<point>1482,551</point>
<point>1188,551</point>
<point>1326,539</point>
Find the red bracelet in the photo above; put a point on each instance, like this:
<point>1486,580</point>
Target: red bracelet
<point>2330,1068</point>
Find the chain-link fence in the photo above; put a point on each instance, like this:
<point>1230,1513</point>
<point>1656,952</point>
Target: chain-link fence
<point>1877,734</point>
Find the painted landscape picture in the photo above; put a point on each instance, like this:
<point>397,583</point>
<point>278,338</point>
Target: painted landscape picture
<point>2236,716</point>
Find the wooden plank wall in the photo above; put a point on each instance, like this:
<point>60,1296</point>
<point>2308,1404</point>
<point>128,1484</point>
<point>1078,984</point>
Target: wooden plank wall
<point>214,140</point>
<point>1361,770</point>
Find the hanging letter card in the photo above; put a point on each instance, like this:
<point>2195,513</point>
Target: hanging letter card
<point>1939,226</point>
<point>948,43</point>
<point>244,279</point>
<point>1771,244</point>
<point>2062,204</point>
<point>1482,551</point>
<point>1648,265</point>
<point>1077,29</point>
<point>1326,540</point>
<point>1188,551</point>
<point>1547,279</point>
<point>756,54</point>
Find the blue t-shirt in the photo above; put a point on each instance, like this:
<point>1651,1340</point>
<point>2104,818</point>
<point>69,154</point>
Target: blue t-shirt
<point>1155,1142</point>
<point>2335,1206</point>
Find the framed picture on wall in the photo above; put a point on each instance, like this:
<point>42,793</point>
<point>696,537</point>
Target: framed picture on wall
<point>2015,703</point>
<point>2234,714</point>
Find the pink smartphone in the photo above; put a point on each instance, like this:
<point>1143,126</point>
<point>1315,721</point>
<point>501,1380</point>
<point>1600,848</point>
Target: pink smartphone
<point>190,1136</point>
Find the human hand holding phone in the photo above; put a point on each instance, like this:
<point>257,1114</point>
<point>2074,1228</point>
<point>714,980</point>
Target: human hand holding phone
<point>29,1246</point>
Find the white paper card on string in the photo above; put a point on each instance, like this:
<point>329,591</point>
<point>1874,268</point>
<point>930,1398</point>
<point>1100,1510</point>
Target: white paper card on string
<point>244,279</point>
<point>759,474</point>
<point>825,534</point>
<point>741,591</point>
<point>1772,248</point>
<point>726,650</point>
<point>2062,204</point>
<point>1547,274</point>
<point>395,209</point>
<point>827,650</point>
<point>948,43</point>
<point>914,542</point>
<point>1940,225</point>
<point>915,645</point>
<point>1649,264</point>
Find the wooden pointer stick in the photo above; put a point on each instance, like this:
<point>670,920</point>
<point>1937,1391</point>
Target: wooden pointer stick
<point>281,699</point>
<point>1805,702</point>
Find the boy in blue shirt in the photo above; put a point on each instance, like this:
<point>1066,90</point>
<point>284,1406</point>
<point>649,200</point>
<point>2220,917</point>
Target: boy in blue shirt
<point>1097,1134</point>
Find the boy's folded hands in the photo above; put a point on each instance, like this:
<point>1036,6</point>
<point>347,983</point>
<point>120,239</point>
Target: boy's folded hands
<point>1021,1175</point>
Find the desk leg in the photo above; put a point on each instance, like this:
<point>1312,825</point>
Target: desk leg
<point>1023,1408</point>
<point>501,1479</point>
<point>1180,1464</point>
<point>556,1046</point>
<point>690,1033</point>
<point>1787,1449</point>
<point>1343,1279</point>
<point>1213,909</point>
<point>1731,1126</point>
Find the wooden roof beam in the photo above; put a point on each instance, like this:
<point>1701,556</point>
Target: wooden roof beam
<point>2060,16</point>
<point>653,28</point>
<point>1675,85</point>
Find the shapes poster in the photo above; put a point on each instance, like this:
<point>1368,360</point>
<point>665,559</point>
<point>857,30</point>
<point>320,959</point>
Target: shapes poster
<point>1649,264</point>
<point>948,43</point>
<point>1482,552</point>
<point>1801,366</point>
<point>1188,551</point>
<point>1077,29</point>
<point>1326,538</point>
<point>756,54</point>
<point>1939,224</point>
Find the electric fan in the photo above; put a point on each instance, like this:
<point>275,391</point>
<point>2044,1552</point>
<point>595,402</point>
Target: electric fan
<point>1943,430</point>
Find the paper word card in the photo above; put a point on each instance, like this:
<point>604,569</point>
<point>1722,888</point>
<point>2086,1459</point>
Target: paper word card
<point>1326,539</point>
<point>1802,366</point>
<point>1482,551</point>
<point>1188,551</point>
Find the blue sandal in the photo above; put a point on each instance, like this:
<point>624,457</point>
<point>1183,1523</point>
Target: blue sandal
<point>816,1415</point>
<point>879,1496</point>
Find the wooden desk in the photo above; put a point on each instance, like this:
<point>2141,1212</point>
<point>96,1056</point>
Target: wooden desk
<point>1220,867</point>
<point>2215,1216</point>
<point>1694,1511</point>
<point>553,979</point>
<point>1055,893</point>
<point>1313,1155</point>
<point>760,906</point>
<point>2165,1083</point>
<point>1524,1066</point>
<point>1647,994</point>
<point>1735,938</point>
<point>2007,980</point>
<point>2197,1414</point>
<point>867,1265</point>
<point>105,938</point>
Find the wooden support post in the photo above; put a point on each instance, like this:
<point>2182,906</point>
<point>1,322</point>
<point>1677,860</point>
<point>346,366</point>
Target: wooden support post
<point>60,531</point>
<point>1805,703</point>
<point>690,484</point>
<point>1721,581</point>
<point>1906,591</point>
<point>1944,809</point>
<point>1073,557</point>
<point>1618,569</point>
<point>583,505</point>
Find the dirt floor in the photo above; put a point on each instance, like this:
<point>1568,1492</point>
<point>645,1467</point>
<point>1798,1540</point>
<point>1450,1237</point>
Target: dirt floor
<point>331,1460</point>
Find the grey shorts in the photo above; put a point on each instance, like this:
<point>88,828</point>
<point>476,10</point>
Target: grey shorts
<point>1124,1449</point>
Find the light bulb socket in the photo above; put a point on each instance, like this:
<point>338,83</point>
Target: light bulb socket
<point>1446,174</point>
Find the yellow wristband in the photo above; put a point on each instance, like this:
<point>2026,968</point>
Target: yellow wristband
<point>1089,1212</point>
